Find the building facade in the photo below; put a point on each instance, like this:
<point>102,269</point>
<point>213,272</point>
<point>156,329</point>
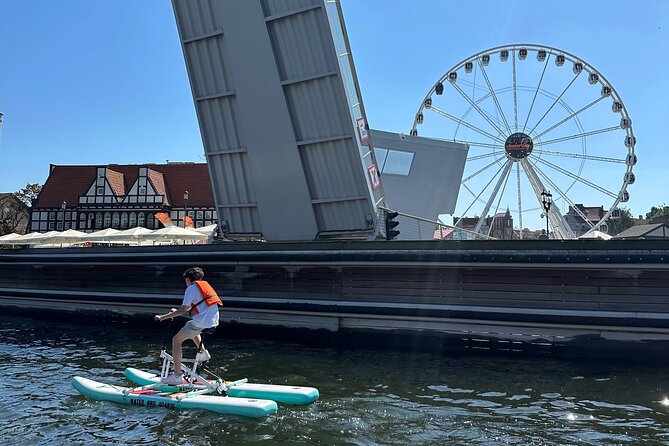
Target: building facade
<point>576,221</point>
<point>90,198</point>
<point>499,226</point>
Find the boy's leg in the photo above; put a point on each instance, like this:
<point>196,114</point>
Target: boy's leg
<point>177,352</point>
<point>198,340</point>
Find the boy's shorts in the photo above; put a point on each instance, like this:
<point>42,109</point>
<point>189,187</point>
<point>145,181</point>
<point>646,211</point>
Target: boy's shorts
<point>190,330</point>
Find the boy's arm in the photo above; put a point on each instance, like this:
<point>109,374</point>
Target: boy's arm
<point>174,312</point>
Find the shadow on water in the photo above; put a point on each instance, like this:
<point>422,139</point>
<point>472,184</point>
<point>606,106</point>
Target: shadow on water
<point>368,396</point>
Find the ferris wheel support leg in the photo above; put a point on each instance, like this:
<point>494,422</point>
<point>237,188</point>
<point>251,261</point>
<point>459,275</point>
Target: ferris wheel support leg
<point>560,227</point>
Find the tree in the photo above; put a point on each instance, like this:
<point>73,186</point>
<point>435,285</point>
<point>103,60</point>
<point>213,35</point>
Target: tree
<point>14,208</point>
<point>28,195</point>
<point>658,211</point>
<point>13,214</point>
<point>618,225</point>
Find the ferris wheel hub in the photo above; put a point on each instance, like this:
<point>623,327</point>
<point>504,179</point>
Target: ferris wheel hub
<point>518,146</point>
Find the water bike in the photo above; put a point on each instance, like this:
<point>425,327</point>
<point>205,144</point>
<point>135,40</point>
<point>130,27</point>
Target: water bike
<point>196,392</point>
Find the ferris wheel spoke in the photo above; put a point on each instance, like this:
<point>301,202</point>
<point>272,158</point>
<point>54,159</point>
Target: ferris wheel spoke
<point>520,203</point>
<point>556,101</point>
<point>483,169</point>
<point>572,115</point>
<point>478,196</point>
<point>504,178</point>
<point>515,91</point>
<point>478,144</point>
<point>464,123</point>
<point>578,178</point>
<point>563,195</point>
<point>476,107</point>
<point>478,157</point>
<point>473,85</point>
<point>536,92</point>
<point>579,156</point>
<point>577,135</point>
<point>494,96</point>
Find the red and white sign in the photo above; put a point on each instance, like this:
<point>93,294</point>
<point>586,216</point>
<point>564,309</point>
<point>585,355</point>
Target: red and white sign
<point>374,176</point>
<point>362,130</point>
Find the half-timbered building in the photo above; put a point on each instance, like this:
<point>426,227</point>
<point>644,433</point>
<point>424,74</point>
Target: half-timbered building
<point>90,198</point>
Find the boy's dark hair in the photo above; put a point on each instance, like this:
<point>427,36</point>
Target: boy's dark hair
<point>194,273</point>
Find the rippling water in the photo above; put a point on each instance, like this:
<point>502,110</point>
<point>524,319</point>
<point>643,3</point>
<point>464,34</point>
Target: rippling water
<point>368,397</point>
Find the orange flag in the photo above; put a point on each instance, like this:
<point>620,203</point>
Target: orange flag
<point>164,219</point>
<point>188,221</point>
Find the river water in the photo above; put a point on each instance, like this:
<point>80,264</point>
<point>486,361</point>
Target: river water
<point>368,397</point>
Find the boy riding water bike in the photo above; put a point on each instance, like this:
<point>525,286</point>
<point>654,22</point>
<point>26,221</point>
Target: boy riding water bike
<point>202,302</point>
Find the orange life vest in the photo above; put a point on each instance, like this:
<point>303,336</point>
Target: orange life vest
<point>209,296</point>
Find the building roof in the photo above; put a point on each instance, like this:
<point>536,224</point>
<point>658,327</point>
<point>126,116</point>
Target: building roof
<point>68,183</point>
<point>640,231</point>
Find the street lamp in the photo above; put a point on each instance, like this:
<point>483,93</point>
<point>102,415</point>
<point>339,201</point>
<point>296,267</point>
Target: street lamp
<point>63,206</point>
<point>546,202</point>
<point>185,206</point>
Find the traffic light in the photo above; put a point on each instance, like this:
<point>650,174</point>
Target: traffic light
<point>390,224</point>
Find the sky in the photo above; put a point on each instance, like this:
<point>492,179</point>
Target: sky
<point>104,81</point>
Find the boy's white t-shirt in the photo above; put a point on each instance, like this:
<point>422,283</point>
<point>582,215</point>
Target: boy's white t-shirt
<point>207,316</point>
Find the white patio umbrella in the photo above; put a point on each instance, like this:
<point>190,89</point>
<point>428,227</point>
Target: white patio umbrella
<point>130,235</point>
<point>100,236</point>
<point>175,233</point>
<point>32,238</point>
<point>60,237</point>
<point>596,235</point>
<point>209,229</point>
<point>7,239</point>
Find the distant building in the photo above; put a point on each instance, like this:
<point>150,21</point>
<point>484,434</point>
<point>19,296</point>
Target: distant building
<point>653,231</point>
<point>13,214</point>
<point>89,198</point>
<point>501,223</point>
<point>577,223</point>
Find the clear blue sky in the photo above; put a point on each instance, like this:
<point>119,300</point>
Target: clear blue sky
<point>99,82</point>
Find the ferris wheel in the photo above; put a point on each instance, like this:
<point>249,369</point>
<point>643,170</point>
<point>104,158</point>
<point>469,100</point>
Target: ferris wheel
<point>548,136</point>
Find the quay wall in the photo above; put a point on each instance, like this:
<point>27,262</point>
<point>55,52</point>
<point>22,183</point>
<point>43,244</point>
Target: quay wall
<point>578,297</point>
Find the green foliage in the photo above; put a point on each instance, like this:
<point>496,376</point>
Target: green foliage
<point>29,193</point>
<point>618,225</point>
<point>658,211</point>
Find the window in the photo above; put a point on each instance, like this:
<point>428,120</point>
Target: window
<point>100,191</point>
<point>98,220</point>
<point>394,162</point>
<point>124,220</point>
<point>116,220</point>
<point>142,190</point>
<point>141,219</point>
<point>132,222</point>
<point>107,220</point>
<point>199,215</point>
